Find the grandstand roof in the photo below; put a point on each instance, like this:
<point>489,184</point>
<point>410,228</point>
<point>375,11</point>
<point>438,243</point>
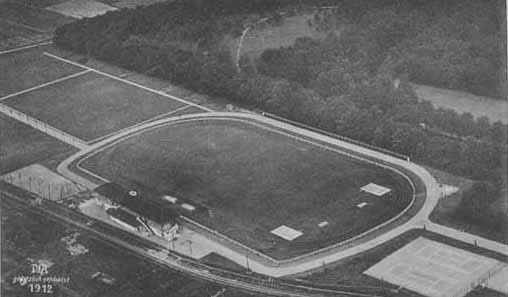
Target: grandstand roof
<point>124,216</point>
<point>140,201</point>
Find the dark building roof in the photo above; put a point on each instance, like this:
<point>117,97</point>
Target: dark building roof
<point>141,201</point>
<point>123,216</point>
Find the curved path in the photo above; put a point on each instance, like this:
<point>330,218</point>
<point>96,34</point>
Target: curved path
<point>258,264</point>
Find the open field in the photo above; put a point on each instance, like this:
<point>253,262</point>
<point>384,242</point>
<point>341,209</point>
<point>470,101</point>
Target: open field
<point>350,270</point>
<point>461,102</point>
<point>28,238</point>
<point>22,145</point>
<point>38,19</point>
<point>256,180</point>
<point>91,105</point>
<point>264,36</point>
<point>23,70</point>
<point>13,35</point>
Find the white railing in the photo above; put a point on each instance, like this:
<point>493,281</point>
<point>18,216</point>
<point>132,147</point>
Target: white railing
<point>41,126</point>
<point>340,137</point>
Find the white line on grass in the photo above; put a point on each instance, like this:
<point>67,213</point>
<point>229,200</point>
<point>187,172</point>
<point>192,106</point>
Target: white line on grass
<point>44,85</point>
<point>25,47</point>
<point>138,124</point>
<point>128,82</point>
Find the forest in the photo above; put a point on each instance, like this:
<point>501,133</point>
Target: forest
<point>354,82</point>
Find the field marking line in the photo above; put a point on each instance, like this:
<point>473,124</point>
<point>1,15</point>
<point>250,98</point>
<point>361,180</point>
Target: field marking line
<point>128,82</point>
<point>25,47</point>
<point>43,127</point>
<point>138,124</point>
<point>44,85</point>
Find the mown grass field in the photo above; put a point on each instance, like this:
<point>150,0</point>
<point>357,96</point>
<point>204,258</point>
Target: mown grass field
<point>23,70</point>
<point>31,16</point>
<point>92,105</point>
<point>13,35</point>
<point>22,145</point>
<point>253,180</point>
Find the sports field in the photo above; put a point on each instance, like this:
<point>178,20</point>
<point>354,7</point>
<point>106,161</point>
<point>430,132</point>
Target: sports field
<point>21,145</point>
<point>38,19</point>
<point>91,105</point>
<point>435,269</point>
<point>254,179</point>
<point>79,100</point>
<point>23,70</point>
<point>13,35</point>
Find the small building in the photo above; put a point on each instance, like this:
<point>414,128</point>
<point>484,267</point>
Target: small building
<point>153,213</point>
<point>124,218</point>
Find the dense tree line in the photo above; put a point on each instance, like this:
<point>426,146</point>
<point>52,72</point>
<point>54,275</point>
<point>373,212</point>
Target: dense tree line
<point>480,205</point>
<point>333,67</point>
<point>346,83</point>
<point>457,44</point>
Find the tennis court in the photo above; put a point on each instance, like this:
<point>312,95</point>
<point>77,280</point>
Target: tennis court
<point>435,269</point>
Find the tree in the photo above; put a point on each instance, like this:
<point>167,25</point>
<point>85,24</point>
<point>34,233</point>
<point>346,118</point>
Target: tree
<point>476,202</point>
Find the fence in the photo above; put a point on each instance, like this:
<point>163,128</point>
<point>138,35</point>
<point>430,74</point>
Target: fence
<point>43,188</point>
<point>41,126</point>
<point>340,137</point>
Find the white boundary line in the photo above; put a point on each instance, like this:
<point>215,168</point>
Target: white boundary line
<point>127,81</point>
<point>113,142</point>
<point>44,85</point>
<point>138,124</point>
<point>25,47</point>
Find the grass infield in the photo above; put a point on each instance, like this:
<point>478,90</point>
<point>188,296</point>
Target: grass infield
<point>253,180</point>
<point>92,105</point>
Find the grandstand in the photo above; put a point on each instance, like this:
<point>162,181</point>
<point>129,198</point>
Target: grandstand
<point>151,212</point>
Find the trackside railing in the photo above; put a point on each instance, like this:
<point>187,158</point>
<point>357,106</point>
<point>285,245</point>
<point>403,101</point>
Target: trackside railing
<point>333,135</point>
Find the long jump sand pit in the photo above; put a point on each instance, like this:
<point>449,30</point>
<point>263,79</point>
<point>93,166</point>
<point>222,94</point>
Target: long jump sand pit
<point>435,269</point>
